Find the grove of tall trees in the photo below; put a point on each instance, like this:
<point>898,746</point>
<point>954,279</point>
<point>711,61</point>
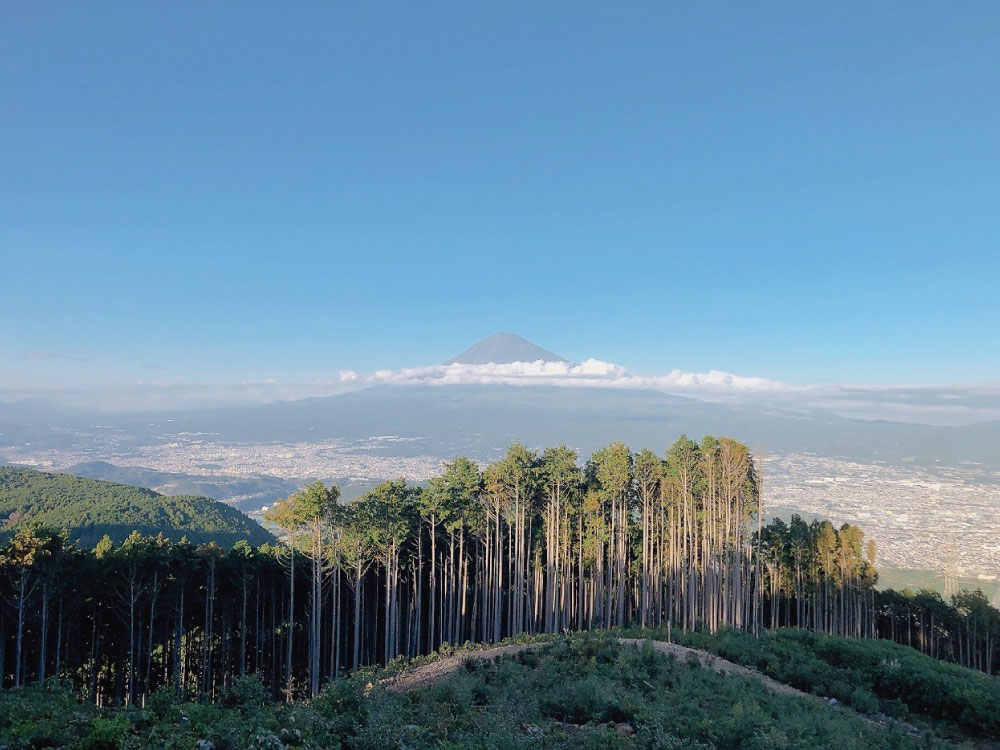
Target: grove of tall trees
<point>538,542</point>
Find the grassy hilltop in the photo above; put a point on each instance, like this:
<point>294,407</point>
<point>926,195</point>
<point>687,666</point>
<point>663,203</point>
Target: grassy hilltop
<point>583,691</point>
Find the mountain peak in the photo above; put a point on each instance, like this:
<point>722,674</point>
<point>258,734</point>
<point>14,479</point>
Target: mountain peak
<point>504,348</point>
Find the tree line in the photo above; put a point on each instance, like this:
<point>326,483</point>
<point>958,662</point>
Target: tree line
<point>537,542</point>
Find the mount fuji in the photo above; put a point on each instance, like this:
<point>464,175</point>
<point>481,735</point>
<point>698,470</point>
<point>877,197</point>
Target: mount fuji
<point>502,349</point>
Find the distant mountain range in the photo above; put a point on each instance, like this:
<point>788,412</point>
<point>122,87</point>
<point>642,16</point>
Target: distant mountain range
<point>478,420</point>
<point>483,419</point>
<point>89,509</point>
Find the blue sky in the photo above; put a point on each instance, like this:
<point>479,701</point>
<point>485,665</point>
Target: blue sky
<point>221,193</point>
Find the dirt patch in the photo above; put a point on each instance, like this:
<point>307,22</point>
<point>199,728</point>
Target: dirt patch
<point>720,665</point>
<point>428,674</point>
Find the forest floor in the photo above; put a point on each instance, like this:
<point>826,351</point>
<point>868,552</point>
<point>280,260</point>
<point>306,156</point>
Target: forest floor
<point>428,674</point>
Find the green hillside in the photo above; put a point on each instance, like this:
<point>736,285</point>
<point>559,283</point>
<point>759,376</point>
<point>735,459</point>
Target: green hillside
<point>580,691</point>
<point>91,508</point>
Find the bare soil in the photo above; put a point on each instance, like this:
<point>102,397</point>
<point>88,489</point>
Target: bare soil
<point>438,669</point>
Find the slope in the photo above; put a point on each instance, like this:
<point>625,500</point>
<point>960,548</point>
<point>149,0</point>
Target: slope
<point>90,508</point>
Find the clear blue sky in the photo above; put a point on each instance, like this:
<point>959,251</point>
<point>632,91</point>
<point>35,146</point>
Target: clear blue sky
<point>802,191</point>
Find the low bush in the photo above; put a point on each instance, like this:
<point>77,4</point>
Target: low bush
<point>584,691</point>
<point>869,675</point>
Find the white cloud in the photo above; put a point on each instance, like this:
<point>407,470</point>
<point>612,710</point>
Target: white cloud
<point>591,372</point>
<point>943,404</point>
<point>947,404</point>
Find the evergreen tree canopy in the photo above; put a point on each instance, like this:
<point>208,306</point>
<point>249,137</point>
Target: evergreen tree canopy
<point>90,509</point>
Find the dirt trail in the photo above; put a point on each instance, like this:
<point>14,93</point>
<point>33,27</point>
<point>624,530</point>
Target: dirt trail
<point>428,674</point>
<point>438,669</point>
<point>720,665</point>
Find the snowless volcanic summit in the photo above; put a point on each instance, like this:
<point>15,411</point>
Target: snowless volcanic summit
<point>504,348</point>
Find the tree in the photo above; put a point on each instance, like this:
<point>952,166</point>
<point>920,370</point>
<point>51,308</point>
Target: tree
<point>357,553</point>
<point>389,509</point>
<point>304,518</point>
<point>517,478</point>
<point>561,480</point>
<point>649,473</point>
<point>611,470</point>
<point>21,560</point>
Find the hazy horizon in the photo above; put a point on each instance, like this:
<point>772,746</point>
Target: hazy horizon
<point>943,404</point>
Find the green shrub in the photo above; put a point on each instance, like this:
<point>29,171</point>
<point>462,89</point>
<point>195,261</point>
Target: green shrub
<point>863,700</point>
<point>243,692</point>
<point>106,734</point>
<point>567,693</point>
<point>343,704</point>
<point>861,672</point>
<point>163,703</point>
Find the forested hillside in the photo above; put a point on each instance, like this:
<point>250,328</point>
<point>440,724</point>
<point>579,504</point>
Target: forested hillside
<point>538,542</point>
<point>90,509</point>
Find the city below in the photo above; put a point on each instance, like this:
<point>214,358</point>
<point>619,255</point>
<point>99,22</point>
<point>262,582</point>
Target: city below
<point>928,519</point>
